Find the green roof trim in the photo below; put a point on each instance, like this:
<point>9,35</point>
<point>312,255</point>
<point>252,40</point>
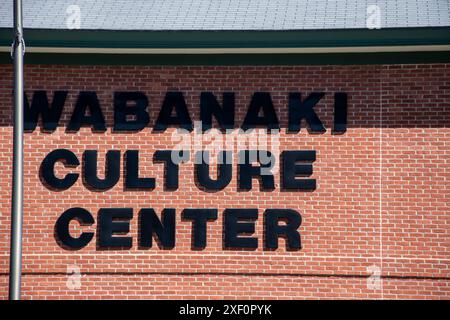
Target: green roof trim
<point>234,59</point>
<point>339,38</point>
<point>230,39</point>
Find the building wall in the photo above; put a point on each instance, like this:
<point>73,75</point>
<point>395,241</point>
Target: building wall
<point>381,201</point>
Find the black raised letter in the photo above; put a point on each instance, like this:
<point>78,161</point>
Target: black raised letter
<point>340,112</point>
<point>253,120</point>
<point>299,110</point>
<point>171,167</point>
<point>79,117</point>
<point>84,218</point>
<point>39,105</point>
<point>247,171</point>
<point>291,169</point>
<point>165,119</point>
<point>233,228</point>
<point>69,159</point>
<point>199,218</point>
<point>112,170</point>
<point>273,230</point>
<point>137,110</point>
<point>108,225</point>
<point>151,224</point>
<point>132,179</point>
<point>209,107</point>
<point>224,170</point>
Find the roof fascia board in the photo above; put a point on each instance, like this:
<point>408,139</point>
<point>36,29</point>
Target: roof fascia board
<point>233,59</point>
<point>231,39</point>
<point>126,51</point>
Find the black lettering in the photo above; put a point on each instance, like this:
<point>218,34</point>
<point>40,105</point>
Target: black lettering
<point>299,110</point>
<point>173,101</point>
<point>199,218</point>
<point>112,170</point>
<point>150,224</point>
<point>224,170</point>
<point>69,159</point>
<point>132,179</point>
<point>79,118</point>
<point>247,171</point>
<point>40,106</point>
<point>108,226</point>
<point>138,110</point>
<point>273,230</point>
<point>252,118</point>
<point>291,169</point>
<point>340,112</point>
<point>209,107</point>
<point>234,227</point>
<point>84,218</point>
<point>171,166</point>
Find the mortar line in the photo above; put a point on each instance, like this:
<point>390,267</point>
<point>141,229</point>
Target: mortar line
<point>381,182</point>
<point>152,254</point>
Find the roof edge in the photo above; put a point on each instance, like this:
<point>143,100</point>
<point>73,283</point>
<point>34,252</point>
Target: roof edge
<point>234,59</point>
<point>145,39</point>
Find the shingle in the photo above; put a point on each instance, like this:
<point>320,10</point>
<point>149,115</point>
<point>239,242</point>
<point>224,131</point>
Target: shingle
<point>228,14</point>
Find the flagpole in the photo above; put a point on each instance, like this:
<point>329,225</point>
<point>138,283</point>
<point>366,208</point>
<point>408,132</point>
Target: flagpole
<point>15,263</point>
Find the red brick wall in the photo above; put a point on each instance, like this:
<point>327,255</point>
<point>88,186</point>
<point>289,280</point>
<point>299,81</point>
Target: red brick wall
<point>382,194</point>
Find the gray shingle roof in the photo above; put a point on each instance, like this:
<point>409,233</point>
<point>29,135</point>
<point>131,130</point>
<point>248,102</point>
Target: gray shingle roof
<point>228,14</point>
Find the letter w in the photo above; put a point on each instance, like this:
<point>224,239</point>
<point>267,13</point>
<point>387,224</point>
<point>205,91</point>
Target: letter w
<point>39,105</point>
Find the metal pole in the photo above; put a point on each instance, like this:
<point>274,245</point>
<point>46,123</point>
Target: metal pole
<point>15,264</point>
